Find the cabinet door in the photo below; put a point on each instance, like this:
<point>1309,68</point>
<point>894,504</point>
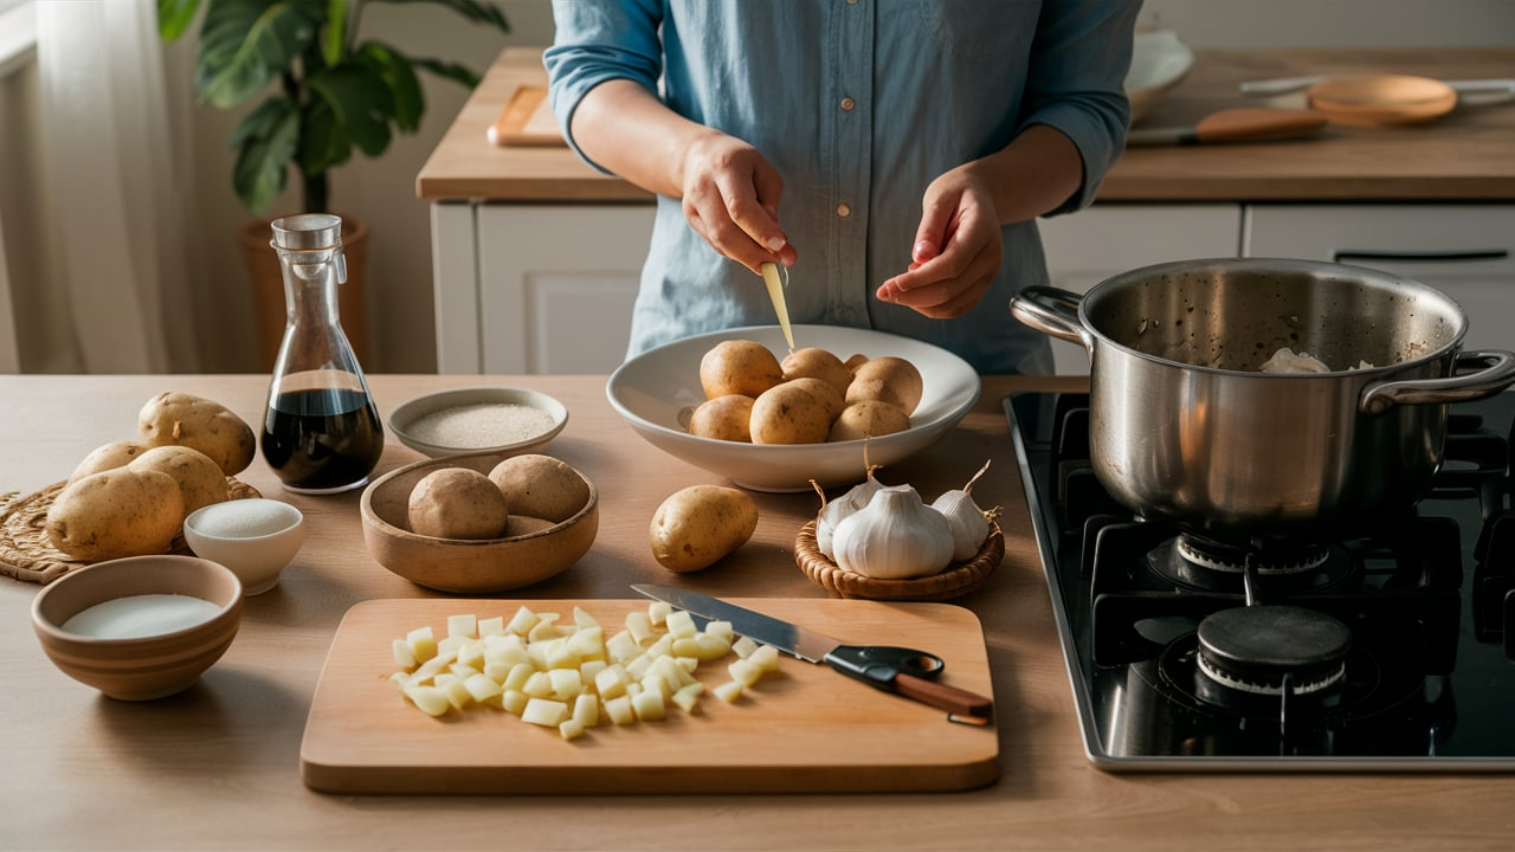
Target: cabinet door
<point>1467,251</point>
<point>1087,247</point>
<point>557,284</point>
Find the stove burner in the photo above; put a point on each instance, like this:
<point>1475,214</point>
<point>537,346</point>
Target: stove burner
<point>1203,565</point>
<point>1271,651</point>
<point>1233,560</point>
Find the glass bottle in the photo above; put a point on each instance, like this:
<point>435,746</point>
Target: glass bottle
<point>321,432</point>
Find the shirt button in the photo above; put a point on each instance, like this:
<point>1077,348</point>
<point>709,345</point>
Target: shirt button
<point>848,104</point>
<point>844,210</point>
<point>851,2</point>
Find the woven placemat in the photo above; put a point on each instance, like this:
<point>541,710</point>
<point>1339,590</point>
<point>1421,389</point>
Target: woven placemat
<point>26,553</point>
<point>957,580</point>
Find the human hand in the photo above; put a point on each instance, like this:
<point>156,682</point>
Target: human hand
<point>731,199</point>
<point>957,249</point>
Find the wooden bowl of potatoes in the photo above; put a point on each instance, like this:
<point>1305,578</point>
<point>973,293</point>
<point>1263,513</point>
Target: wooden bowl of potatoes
<point>480,523</point>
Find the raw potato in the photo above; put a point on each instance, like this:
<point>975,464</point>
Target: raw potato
<point>832,401</point>
<point>540,486</point>
<point>853,362</point>
<point>457,502</point>
<point>526,525</point>
<point>200,480</point>
<point>817,363</point>
<point>889,379</point>
<point>739,366</point>
<point>187,420</point>
<point>869,418</point>
<point>699,525</point>
<point>790,414</point>
<point>725,418</point>
<point>117,513</point>
<point>108,457</point>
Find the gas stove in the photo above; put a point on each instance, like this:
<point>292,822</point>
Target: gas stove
<point>1383,652</point>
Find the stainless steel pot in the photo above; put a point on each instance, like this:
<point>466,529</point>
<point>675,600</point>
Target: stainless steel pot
<point>1184,428</point>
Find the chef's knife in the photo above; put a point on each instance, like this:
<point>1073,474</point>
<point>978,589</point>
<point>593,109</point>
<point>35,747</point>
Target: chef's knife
<point>904,671</point>
<point>1242,124</point>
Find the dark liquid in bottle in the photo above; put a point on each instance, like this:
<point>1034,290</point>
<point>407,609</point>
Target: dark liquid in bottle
<point>322,439</point>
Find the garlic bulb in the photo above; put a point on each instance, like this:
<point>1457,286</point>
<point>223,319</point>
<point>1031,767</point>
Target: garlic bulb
<point>965,519</point>
<point>895,537</point>
<point>837,510</point>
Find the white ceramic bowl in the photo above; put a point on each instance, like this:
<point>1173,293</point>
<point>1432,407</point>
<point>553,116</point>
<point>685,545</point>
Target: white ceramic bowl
<point>1159,61</point>
<point>656,390</point>
<point>256,538</point>
<point>403,420</point>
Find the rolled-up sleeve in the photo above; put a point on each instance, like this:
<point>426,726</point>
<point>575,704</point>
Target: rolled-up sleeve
<point>1076,83</point>
<point>595,41</point>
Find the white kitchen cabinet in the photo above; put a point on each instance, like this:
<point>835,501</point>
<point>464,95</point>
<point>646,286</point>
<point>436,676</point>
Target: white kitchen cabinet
<point>1092,245</point>
<point>1464,250</point>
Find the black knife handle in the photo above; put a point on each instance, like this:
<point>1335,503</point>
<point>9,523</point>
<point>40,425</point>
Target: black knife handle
<point>911,674</point>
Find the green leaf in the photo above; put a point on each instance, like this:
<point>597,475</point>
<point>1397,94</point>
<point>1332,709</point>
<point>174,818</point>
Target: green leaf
<point>175,16</point>
<point>334,44</point>
<point>268,138</point>
<point>348,106</point>
<point>449,70</point>
<point>474,10</point>
<point>245,44</point>
<point>394,69</point>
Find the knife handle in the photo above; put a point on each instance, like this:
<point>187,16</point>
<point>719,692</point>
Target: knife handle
<point>960,704</point>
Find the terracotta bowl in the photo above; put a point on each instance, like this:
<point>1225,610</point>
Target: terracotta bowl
<point>468,566</point>
<point>151,666</point>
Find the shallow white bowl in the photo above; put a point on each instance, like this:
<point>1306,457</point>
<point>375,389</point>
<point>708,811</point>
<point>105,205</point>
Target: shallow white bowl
<point>1159,61</point>
<point>403,418</point>
<point>256,538</point>
<point>656,390</point>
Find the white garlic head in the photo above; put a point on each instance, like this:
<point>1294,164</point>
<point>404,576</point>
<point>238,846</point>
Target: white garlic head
<point>966,520</point>
<point>895,537</point>
<point>840,509</point>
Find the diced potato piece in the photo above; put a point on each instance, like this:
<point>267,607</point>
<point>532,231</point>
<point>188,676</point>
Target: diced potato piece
<point>399,680</point>
<point>639,625</point>
<point>657,611</point>
<point>545,630</point>
<point>689,648</point>
<point>590,669</point>
<point>766,658</point>
<point>655,683</point>
<point>457,694</point>
<point>621,647</point>
<point>514,701</point>
<point>519,674</point>
<point>500,649</point>
<point>681,624</point>
<point>662,647</point>
<point>637,669</point>
<point>710,648</point>
<point>405,658</point>
<point>491,626</point>
<point>687,698</point>
<point>571,729</point>
<point>444,680</point>
<point>522,622</point>
<point>588,643</point>
<point>497,672</point>
<point>482,688</point>
<point>611,683</point>
<point>619,710</point>
<point>744,647</point>
<point>430,700</point>
<point>429,669</point>
<point>466,626</point>
<point>472,655</point>
<point>745,672</point>
<point>463,672</point>
<point>586,710</point>
<point>566,684</point>
<point>452,644</point>
<point>583,619</point>
<point>721,629</point>
<point>423,644</point>
<point>668,669</point>
<point>729,691</point>
<point>688,664</point>
<point>562,657</point>
<point>539,685</point>
<point>648,705</point>
<point>544,712</point>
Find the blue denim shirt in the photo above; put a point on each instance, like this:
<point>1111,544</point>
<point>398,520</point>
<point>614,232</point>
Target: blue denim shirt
<point>859,105</point>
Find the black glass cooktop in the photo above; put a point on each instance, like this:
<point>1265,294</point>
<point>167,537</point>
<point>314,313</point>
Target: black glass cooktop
<point>1382,653</point>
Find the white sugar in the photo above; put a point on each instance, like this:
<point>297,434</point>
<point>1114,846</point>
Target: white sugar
<point>136,616</point>
<point>481,426</point>
<point>243,519</point>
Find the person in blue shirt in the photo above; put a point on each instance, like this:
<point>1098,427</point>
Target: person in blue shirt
<point>893,154</point>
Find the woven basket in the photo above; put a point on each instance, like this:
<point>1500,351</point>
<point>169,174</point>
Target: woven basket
<point>26,553</point>
<point>958,579</point>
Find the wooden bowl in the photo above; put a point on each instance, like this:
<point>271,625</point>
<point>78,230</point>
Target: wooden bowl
<point>958,579</point>
<point>468,566</point>
<point>1374,100</point>
<point>149,666</point>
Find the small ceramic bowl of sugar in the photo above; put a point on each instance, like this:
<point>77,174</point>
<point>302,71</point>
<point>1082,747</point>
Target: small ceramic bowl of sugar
<point>508,421</point>
<point>139,628</point>
<point>256,538</point>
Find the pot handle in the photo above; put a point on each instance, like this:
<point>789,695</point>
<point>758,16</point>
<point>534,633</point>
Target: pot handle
<point>1497,374</point>
<point>1052,311</point>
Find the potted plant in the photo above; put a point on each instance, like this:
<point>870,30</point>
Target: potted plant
<point>324,93</point>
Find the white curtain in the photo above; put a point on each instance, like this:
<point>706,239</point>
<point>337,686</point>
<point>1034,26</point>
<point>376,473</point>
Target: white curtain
<point>118,174</point>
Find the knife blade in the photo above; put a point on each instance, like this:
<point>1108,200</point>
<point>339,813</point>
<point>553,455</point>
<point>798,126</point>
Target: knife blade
<point>776,293</point>
<point>904,671</point>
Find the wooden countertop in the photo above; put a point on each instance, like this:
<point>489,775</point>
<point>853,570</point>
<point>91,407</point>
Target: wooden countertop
<point>1469,155</point>
<point>217,766</point>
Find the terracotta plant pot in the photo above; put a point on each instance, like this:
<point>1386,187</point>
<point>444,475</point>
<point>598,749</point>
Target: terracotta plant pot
<point>268,287</point>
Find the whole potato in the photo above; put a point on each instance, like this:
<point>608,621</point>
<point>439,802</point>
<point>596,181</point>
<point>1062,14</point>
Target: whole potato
<point>183,419</point>
<point>116,513</point>
<point>789,414</point>
<point>457,502</point>
<point>869,418</point>
<point>725,418</point>
<point>699,525</point>
<point>824,391</point>
<point>816,363</point>
<point>540,486</point>
<point>738,366</point>
<point>200,480</point>
<point>889,379</point>
<point>107,457</point>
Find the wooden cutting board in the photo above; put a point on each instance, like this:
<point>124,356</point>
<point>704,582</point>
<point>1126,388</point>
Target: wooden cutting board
<point>526,119</point>
<point>805,728</point>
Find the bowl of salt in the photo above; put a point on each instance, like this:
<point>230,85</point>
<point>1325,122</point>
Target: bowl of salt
<point>506,421</point>
<point>256,538</point>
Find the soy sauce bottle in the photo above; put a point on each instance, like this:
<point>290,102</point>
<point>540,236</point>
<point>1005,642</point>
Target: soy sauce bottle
<point>321,432</point>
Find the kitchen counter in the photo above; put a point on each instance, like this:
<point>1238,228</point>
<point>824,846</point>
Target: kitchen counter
<point>218,765</point>
<point>1466,156</point>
